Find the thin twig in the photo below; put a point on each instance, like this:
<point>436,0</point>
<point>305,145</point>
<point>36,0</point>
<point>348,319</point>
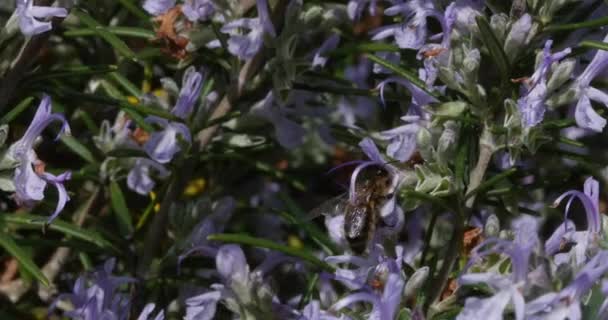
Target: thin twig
<point>486,150</point>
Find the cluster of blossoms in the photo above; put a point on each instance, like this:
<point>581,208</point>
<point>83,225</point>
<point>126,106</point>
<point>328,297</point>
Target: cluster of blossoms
<point>455,106</point>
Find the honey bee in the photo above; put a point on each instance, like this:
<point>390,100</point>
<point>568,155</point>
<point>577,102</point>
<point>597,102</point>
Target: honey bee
<point>361,214</point>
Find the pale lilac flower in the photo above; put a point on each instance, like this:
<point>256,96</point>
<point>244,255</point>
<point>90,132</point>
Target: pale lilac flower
<point>330,44</point>
<point>584,240</point>
<point>211,224</point>
<point>158,7</point>
<point>532,102</point>
<point>355,8</point>
<point>96,296</point>
<point>139,178</point>
<point>29,183</point>
<point>377,263</point>
<point>246,46</point>
<point>412,34</point>
<point>30,17</point>
<point>239,284</point>
<point>203,306</point>
<point>402,139</point>
<point>198,10</point>
<point>146,313</point>
<point>313,311</point>
<point>507,288</point>
<point>163,145</point>
<point>584,114</point>
<point>192,83</point>
<point>385,305</point>
<point>288,133</point>
<point>566,303</point>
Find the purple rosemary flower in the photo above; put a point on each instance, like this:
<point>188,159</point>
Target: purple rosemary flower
<point>146,313</point>
<point>534,91</point>
<point>376,263</point>
<point>139,178</point>
<point>507,288</point>
<point>411,34</point>
<point>30,177</point>
<point>419,97</point>
<point>566,303</point>
<point>584,114</point>
<point>163,145</point>
<point>158,7</point>
<point>328,45</point>
<point>585,240</point>
<point>402,139</point>
<point>246,46</point>
<point>385,304</point>
<point>288,133</point>
<point>240,286</point>
<point>198,10</point>
<point>96,296</point>
<point>355,8</point>
<point>212,223</point>
<point>313,311</point>
<point>203,306</point>
<point>30,17</point>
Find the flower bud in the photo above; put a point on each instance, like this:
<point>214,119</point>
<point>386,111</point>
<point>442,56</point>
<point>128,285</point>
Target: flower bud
<point>415,282</point>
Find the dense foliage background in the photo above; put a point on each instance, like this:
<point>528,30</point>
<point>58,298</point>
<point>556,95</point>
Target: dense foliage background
<point>290,159</point>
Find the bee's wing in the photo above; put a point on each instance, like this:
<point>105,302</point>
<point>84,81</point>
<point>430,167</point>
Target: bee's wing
<point>331,207</point>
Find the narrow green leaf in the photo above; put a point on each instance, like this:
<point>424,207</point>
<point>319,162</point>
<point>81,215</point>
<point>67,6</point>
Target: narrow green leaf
<point>126,153</point>
<point>594,44</point>
<point>134,7</point>
<point>16,111</point>
<point>578,25</point>
<point>486,185</point>
<point>496,52</point>
<point>69,72</point>
<point>23,257</point>
<point>102,31</point>
<point>38,222</point>
<point>365,47</point>
<point>119,205</point>
<point>78,148</point>
<point>126,84</point>
<point>119,31</point>
<point>409,75</point>
<point>272,245</point>
<point>299,217</point>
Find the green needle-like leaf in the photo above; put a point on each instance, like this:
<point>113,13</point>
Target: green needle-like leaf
<point>119,31</point>
<point>38,222</point>
<point>494,47</point>
<point>78,148</point>
<point>119,205</point>
<point>272,245</point>
<point>103,32</point>
<point>16,111</point>
<point>23,257</point>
